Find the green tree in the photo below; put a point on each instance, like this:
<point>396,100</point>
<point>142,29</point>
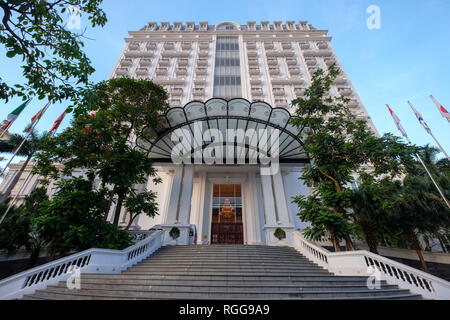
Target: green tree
<point>29,147</point>
<point>16,231</point>
<point>102,142</point>
<point>334,141</point>
<point>53,60</point>
<point>73,220</point>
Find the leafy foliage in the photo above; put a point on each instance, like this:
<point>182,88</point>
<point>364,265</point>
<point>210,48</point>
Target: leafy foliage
<point>279,233</point>
<point>99,141</point>
<point>174,233</point>
<point>73,220</point>
<point>53,60</point>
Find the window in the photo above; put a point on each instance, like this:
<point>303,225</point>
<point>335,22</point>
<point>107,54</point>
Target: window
<point>227,76</point>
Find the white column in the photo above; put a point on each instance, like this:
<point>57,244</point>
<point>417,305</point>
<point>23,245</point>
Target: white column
<point>251,207</point>
<point>201,206</point>
<point>269,204</point>
<point>172,208</point>
<point>280,199</point>
<point>186,194</point>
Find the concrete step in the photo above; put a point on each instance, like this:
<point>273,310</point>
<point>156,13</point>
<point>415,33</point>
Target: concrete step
<point>316,277</point>
<point>331,282</point>
<point>224,287</point>
<point>55,292</point>
<point>223,272</point>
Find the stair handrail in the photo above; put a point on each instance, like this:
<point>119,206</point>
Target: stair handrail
<point>93,260</point>
<point>374,266</point>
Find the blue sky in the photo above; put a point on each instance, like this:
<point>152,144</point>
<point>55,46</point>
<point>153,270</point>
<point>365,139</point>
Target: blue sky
<point>408,59</point>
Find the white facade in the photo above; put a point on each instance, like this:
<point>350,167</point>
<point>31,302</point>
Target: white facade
<point>269,63</point>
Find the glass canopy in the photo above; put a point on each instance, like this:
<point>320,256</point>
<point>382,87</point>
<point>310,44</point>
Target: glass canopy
<point>221,114</point>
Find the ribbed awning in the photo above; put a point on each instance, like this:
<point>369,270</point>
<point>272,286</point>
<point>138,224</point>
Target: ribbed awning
<point>221,114</point>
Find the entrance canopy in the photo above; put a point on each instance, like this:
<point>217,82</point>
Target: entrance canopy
<point>223,115</point>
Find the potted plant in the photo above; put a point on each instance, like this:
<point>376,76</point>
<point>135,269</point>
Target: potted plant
<point>280,234</point>
<point>174,233</point>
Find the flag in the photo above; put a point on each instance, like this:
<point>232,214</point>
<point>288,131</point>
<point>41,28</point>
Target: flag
<point>419,117</point>
<point>36,117</point>
<point>397,122</point>
<point>58,122</point>
<point>13,115</point>
<point>442,110</point>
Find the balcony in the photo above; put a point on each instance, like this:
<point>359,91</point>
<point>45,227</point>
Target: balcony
<point>141,71</point>
<point>251,45</point>
<point>200,82</point>
<point>126,62</point>
<point>345,92</point>
<point>151,46</point>
<point>186,46</point>
<point>121,71</point>
<point>329,61</point>
<point>181,71</point>
<point>272,62</point>
<point>200,71</point>
<point>353,103</point>
<point>281,103</point>
<point>133,46</point>
<point>255,82</point>
<point>145,62</point>
<point>311,62</point>
<point>176,92</point>
<point>322,45</point>
<point>274,71</point>
<point>317,53</point>
<point>164,62</point>
<point>312,70</point>
<point>257,91</point>
<point>169,46</point>
<point>199,92</point>
<point>278,92</point>
<point>268,45</point>
<point>291,62</point>
<point>204,45</point>
<point>253,62</point>
<point>203,54</point>
<point>252,54</point>
<point>299,92</point>
<point>202,62</point>
<point>340,81</point>
<point>254,71</point>
<point>183,62</point>
<point>304,45</point>
<point>294,71</point>
<point>161,71</point>
<point>286,45</point>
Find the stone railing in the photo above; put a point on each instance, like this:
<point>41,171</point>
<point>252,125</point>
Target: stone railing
<point>89,261</point>
<point>365,263</point>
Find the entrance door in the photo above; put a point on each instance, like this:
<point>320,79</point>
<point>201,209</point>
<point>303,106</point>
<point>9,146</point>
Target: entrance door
<point>227,214</point>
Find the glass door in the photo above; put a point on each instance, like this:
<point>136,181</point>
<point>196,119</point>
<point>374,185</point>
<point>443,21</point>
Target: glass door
<point>227,224</point>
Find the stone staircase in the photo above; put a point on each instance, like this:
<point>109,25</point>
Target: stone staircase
<point>223,272</point>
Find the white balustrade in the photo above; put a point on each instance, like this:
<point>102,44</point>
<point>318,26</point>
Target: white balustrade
<point>89,261</point>
<point>363,263</point>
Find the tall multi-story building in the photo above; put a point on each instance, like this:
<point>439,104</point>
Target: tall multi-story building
<point>226,76</point>
<point>230,76</point>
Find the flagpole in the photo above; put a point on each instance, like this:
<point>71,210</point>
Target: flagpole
<point>400,128</point>
<point>6,129</point>
<point>440,147</point>
<point>24,139</point>
<point>427,128</point>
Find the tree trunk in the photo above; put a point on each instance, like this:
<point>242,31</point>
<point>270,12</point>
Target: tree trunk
<point>371,242</point>
<point>131,221</point>
<point>418,248</point>
<point>34,257</point>
<point>349,244</point>
<point>117,210</point>
<point>335,242</point>
<point>15,180</point>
